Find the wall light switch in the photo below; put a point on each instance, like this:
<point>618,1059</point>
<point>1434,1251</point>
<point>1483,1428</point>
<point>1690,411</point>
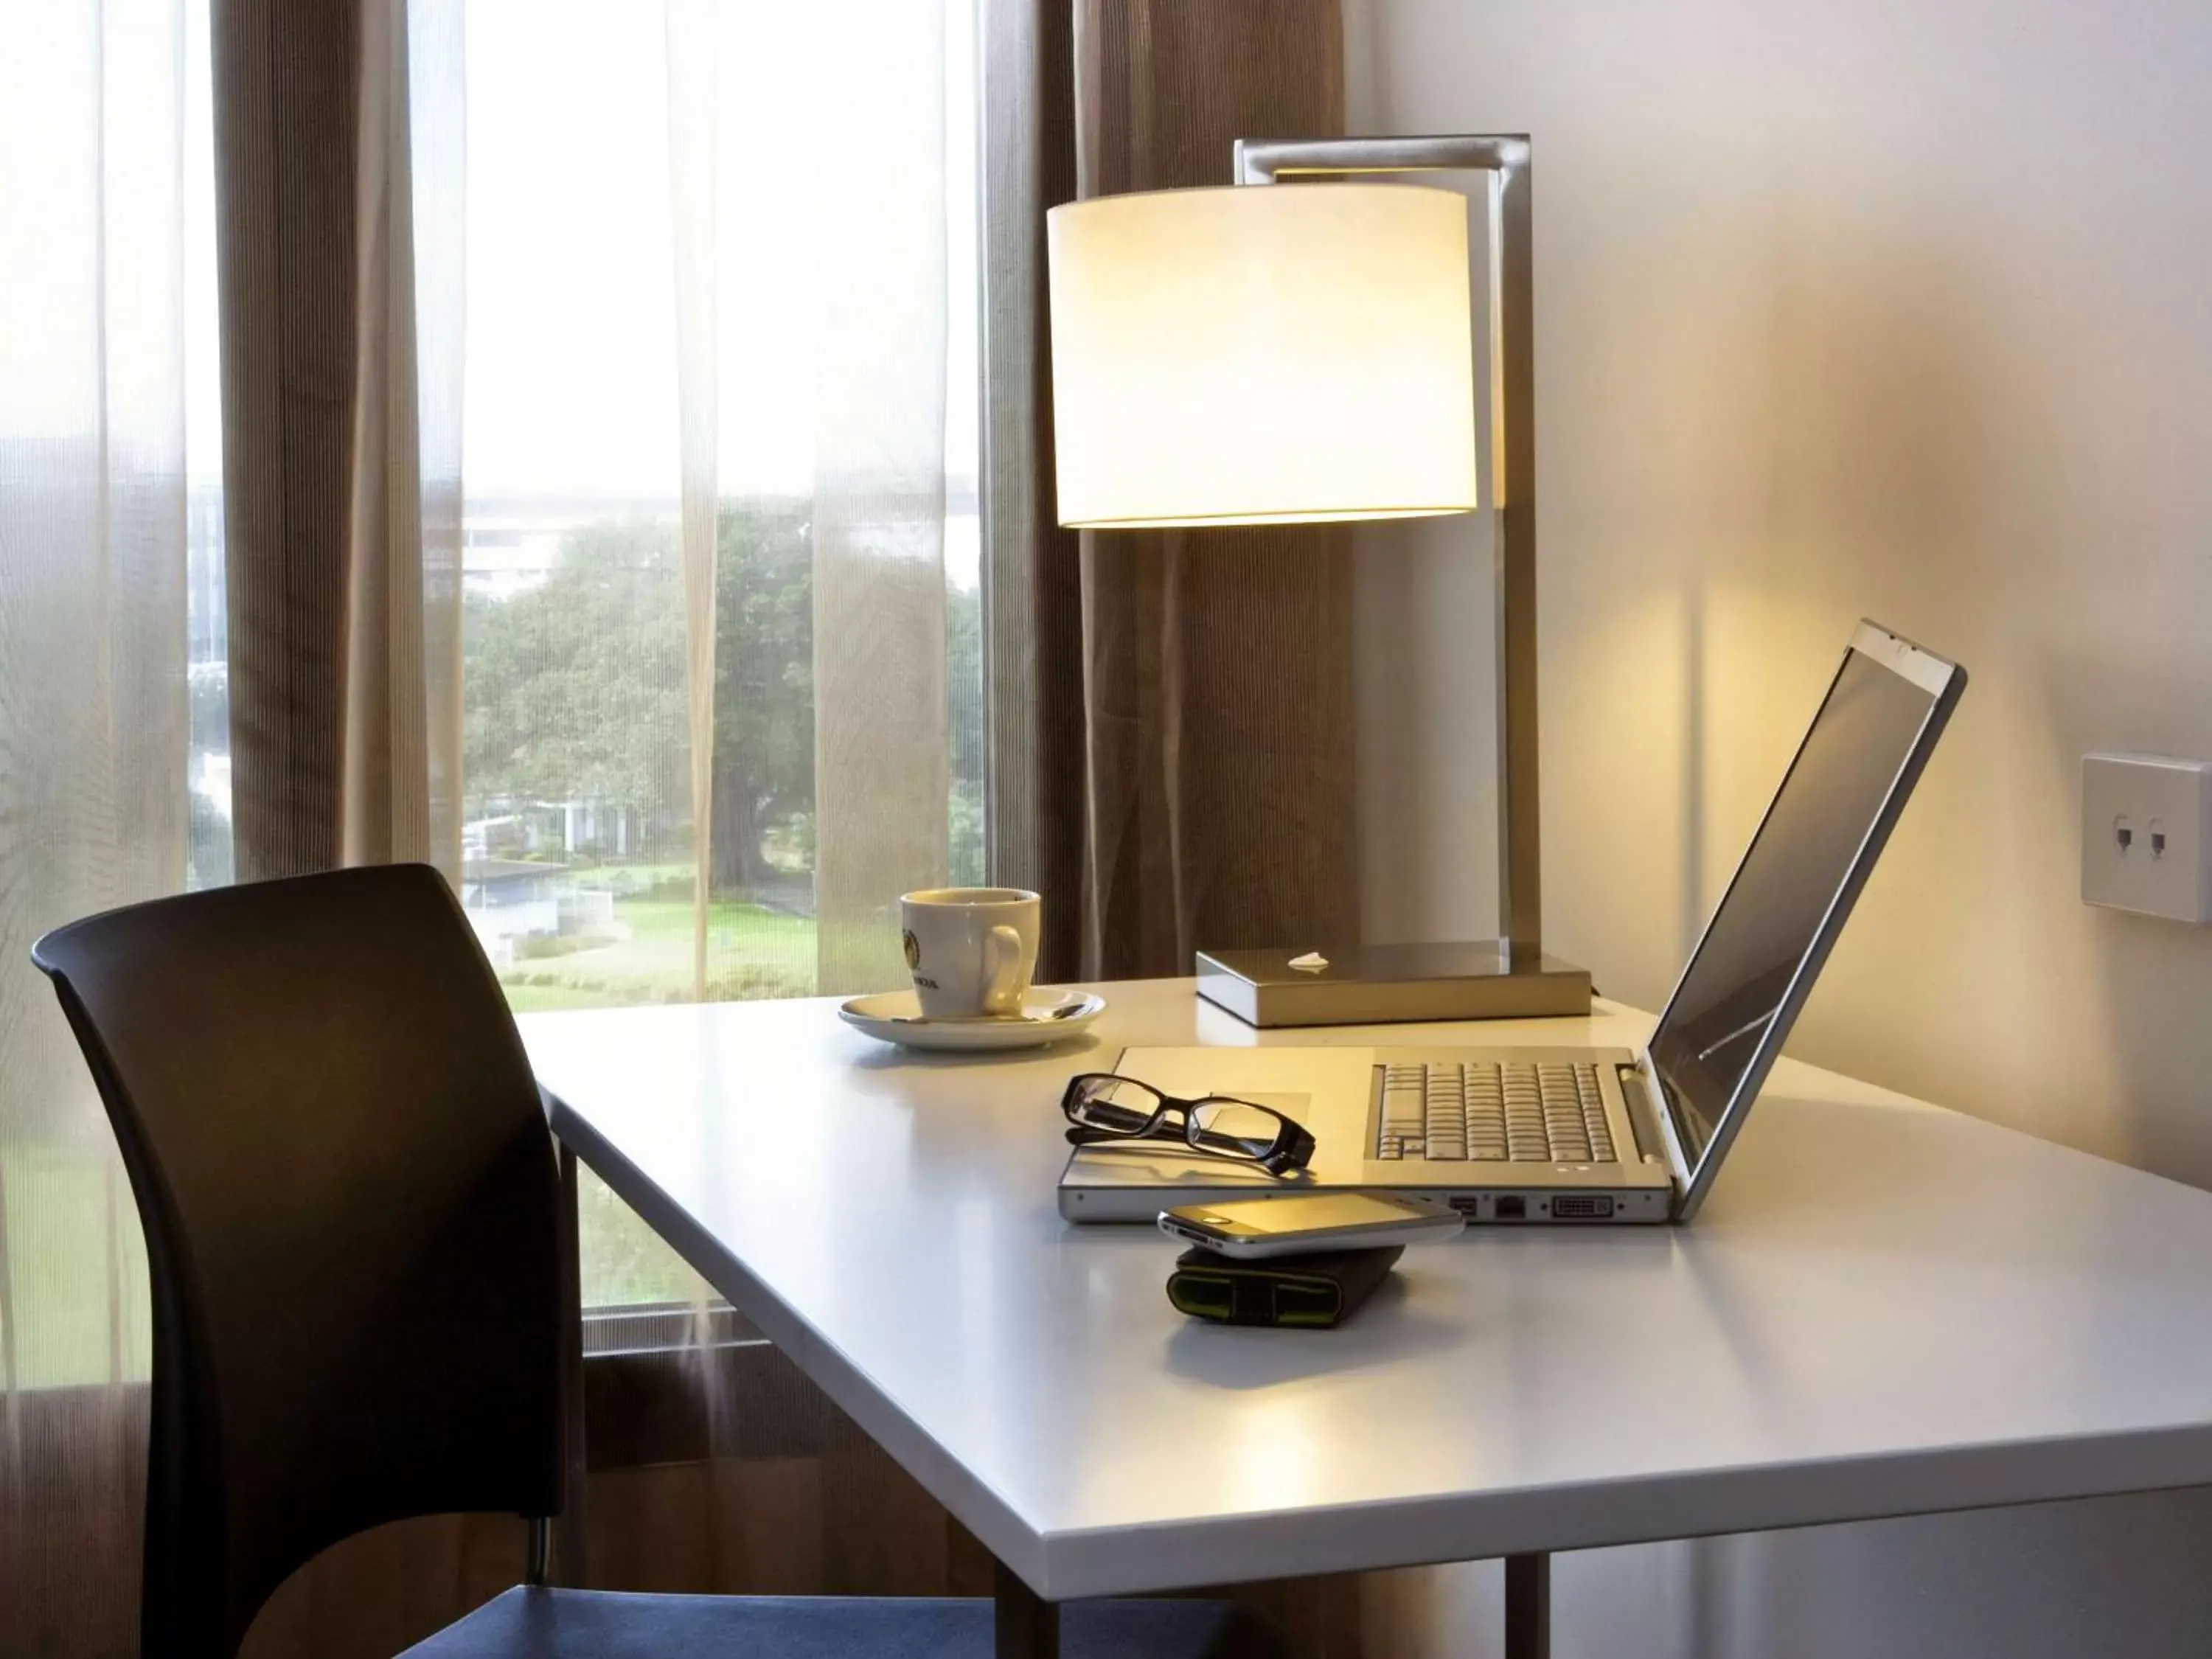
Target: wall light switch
<point>2145,841</point>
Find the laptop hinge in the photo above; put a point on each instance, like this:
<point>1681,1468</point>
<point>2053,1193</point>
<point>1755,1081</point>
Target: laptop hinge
<point>1644,1075</point>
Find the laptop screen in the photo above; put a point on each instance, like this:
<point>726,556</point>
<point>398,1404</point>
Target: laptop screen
<point>1728,1017</point>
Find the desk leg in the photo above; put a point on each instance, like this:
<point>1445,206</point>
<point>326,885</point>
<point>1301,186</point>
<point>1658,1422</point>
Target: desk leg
<point>1024,1628</point>
<point>1528,1607</point>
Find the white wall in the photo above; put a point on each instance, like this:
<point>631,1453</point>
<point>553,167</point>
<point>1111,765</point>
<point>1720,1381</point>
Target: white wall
<point>1843,308</point>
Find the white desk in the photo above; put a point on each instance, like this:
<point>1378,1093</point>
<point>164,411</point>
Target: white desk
<point>1884,1309</point>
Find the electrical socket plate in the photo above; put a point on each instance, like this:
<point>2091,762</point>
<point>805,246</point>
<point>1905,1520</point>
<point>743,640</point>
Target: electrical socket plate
<point>2145,844</point>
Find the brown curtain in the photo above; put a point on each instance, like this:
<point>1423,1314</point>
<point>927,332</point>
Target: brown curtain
<point>1174,735</point>
<point>343,590</point>
<point>286,79</point>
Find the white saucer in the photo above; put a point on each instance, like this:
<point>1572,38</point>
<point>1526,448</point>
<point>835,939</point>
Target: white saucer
<point>1046,1017</point>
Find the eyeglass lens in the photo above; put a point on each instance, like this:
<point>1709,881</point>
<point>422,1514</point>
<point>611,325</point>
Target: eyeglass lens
<point>1232,1126</point>
<point>1115,1105</point>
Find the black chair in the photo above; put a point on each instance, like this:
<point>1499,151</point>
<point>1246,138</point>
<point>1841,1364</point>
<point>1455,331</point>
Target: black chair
<point>351,1211</point>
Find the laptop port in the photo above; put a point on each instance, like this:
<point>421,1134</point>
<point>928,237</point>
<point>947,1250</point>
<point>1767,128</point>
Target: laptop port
<point>1581,1207</point>
<point>1512,1209</point>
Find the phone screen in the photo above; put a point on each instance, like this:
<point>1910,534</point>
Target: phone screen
<point>1317,1212</point>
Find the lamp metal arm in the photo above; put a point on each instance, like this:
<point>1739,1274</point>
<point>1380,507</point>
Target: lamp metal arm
<point>1505,158</point>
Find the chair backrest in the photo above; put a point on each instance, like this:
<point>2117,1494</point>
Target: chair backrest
<point>350,1200</point>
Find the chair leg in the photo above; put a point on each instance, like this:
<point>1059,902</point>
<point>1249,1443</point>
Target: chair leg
<point>1024,1626</point>
<point>1529,1607</point>
<point>574,1568</point>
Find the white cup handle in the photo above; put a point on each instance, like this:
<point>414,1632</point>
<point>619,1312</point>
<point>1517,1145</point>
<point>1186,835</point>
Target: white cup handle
<point>1002,971</point>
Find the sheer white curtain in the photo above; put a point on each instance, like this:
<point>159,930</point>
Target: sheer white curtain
<point>881,328</point>
<point>858,127</point>
<point>98,502</point>
<point>722,666</point>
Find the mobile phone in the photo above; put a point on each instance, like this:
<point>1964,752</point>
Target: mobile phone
<point>1254,1228</point>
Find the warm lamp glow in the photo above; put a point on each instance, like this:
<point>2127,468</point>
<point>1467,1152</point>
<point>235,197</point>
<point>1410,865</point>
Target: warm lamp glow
<point>1260,355</point>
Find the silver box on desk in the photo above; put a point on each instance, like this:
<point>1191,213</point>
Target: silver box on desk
<point>1385,984</point>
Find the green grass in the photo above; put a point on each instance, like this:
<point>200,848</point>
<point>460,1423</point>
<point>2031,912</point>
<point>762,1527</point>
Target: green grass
<point>751,951</point>
<point>545,998</point>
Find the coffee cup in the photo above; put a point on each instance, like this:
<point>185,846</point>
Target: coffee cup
<point>972,949</point>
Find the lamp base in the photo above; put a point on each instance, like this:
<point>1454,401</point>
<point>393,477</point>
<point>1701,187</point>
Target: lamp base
<point>1386,984</point>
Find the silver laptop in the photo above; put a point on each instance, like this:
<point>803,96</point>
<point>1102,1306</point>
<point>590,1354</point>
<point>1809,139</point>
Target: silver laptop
<point>1525,1134</point>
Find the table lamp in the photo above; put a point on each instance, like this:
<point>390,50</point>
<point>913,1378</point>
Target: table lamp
<point>1237,356</point>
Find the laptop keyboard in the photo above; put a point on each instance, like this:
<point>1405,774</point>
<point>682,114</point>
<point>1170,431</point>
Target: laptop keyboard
<point>1483,1112</point>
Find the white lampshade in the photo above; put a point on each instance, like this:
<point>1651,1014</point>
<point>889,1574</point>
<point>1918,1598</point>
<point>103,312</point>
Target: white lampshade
<point>1262,354</point>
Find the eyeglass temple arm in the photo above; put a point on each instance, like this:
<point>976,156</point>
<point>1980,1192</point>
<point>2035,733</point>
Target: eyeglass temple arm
<point>1077,1135</point>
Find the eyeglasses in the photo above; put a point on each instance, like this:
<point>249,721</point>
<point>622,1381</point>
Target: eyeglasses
<point>1103,1109</point>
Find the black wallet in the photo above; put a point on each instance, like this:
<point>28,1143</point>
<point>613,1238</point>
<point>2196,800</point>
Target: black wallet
<point>1316,1290</point>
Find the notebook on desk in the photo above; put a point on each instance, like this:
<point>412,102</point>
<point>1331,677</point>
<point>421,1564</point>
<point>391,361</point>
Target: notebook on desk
<point>1582,1135</point>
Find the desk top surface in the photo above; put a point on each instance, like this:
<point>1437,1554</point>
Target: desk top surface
<point>1885,1307</point>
